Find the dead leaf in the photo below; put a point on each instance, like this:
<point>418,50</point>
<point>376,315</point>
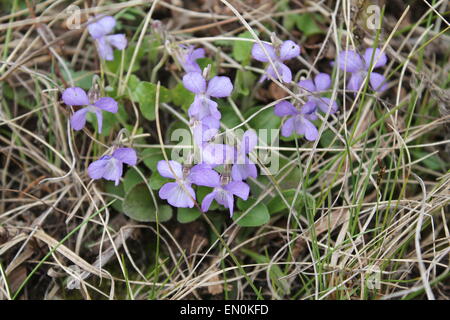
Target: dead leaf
<point>17,277</point>
<point>215,289</point>
<point>276,92</point>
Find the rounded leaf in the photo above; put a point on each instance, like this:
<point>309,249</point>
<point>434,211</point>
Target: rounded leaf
<point>257,216</point>
<point>138,205</point>
<point>186,215</point>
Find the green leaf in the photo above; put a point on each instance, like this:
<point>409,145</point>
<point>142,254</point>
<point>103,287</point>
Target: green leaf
<point>277,204</point>
<point>179,139</point>
<point>139,131</point>
<point>229,116</point>
<point>109,120</point>
<point>182,97</point>
<point>157,181</point>
<point>114,65</point>
<point>151,157</point>
<point>128,16</point>
<point>153,50</point>
<point>257,216</point>
<point>145,94</point>
<point>118,192</point>
<point>264,119</point>
<point>131,179</point>
<point>289,21</point>
<point>327,138</point>
<point>138,205</point>
<point>223,43</point>
<point>244,81</point>
<point>133,82</point>
<point>203,63</point>
<point>307,24</point>
<point>242,49</point>
<point>218,220</point>
<point>82,79</point>
<point>186,215</point>
<point>165,213</point>
<point>293,178</point>
<point>433,162</point>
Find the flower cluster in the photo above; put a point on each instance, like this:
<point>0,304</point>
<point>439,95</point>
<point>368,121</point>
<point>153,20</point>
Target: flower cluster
<point>299,117</point>
<point>223,167</point>
<point>205,125</point>
<point>234,161</point>
<point>109,167</point>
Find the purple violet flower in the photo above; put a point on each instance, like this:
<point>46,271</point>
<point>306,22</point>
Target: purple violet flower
<point>322,82</point>
<point>205,129</point>
<point>187,56</point>
<point>224,193</point>
<point>111,167</point>
<point>77,97</point>
<point>216,154</point>
<point>298,120</point>
<point>99,30</point>
<point>243,166</point>
<point>203,106</point>
<point>352,62</point>
<point>180,193</point>
<point>288,50</point>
